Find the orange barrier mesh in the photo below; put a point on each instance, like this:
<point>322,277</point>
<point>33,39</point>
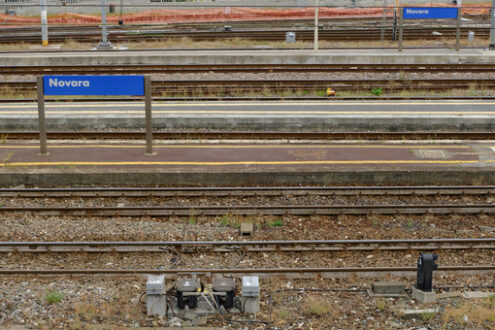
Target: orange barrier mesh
<point>219,15</point>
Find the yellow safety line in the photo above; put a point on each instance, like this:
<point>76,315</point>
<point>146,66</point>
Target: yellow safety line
<point>254,146</point>
<point>260,112</point>
<point>302,162</point>
<point>229,104</point>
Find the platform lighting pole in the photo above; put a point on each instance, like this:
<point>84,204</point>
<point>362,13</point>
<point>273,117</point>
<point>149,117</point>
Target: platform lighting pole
<point>44,24</point>
<point>316,25</point>
<point>104,43</point>
<point>492,27</point>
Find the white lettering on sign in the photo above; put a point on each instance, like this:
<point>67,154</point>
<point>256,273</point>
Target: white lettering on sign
<point>417,11</point>
<point>54,82</point>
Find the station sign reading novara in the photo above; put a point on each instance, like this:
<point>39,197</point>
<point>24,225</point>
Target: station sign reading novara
<point>429,13</point>
<point>93,85</point>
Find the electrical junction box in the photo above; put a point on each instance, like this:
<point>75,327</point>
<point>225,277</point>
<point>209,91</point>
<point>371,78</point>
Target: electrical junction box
<point>250,286</point>
<point>155,284</point>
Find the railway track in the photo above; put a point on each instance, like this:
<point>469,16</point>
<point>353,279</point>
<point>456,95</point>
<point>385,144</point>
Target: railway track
<point>197,87</point>
<point>244,68</point>
<point>262,135</point>
<point>86,34</point>
<point>245,191</point>
<point>250,246</point>
<point>279,210</point>
<point>264,272</point>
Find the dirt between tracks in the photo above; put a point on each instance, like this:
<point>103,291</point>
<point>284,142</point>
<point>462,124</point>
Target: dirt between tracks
<point>30,227</point>
<point>114,302</point>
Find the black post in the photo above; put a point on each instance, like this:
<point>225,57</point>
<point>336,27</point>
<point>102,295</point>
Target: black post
<point>426,266</point>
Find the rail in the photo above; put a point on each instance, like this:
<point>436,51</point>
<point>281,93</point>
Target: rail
<point>146,192</point>
<point>303,210</point>
<point>250,246</point>
<point>252,135</point>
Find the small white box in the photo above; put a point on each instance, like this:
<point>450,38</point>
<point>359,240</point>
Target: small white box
<point>155,284</point>
<point>250,286</point>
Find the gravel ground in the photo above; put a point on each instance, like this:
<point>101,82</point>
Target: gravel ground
<point>30,227</point>
<point>230,260</point>
<point>113,302</point>
<point>359,75</point>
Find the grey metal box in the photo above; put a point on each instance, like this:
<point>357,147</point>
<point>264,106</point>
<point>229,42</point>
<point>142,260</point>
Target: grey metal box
<point>155,284</point>
<point>290,37</point>
<point>250,286</point>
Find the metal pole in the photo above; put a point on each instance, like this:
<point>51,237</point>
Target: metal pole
<point>44,24</point>
<point>394,30</point>
<point>41,115</point>
<point>458,31</point>
<point>384,21</point>
<point>401,27</point>
<point>316,26</point>
<point>104,44</point>
<point>492,27</point>
<point>149,125</point>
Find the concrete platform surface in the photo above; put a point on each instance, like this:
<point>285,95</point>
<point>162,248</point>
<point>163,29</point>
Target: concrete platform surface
<point>247,164</point>
<point>249,56</point>
<point>328,115</point>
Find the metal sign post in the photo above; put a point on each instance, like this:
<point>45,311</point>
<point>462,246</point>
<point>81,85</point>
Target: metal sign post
<point>149,125</point>
<point>433,13</point>
<point>41,115</point>
<point>94,85</point>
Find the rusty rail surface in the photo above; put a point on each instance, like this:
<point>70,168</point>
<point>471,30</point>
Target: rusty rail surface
<point>261,135</point>
<point>250,246</point>
<point>119,34</point>
<point>263,271</point>
<point>193,87</point>
<point>303,210</point>
<point>240,68</point>
<point>145,192</point>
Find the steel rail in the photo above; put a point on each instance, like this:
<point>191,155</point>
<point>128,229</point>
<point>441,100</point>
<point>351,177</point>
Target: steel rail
<point>233,68</point>
<point>260,271</point>
<point>306,210</point>
<point>146,192</point>
<point>268,35</point>
<point>250,246</point>
<point>419,97</point>
<point>257,135</point>
<point>191,87</point>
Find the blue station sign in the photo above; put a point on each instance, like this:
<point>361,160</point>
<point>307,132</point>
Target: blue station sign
<point>429,13</point>
<point>93,85</point>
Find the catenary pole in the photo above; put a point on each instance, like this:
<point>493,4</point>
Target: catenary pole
<point>492,27</point>
<point>316,26</point>
<point>44,24</point>
<point>104,44</point>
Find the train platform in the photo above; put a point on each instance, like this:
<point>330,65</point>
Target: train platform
<point>326,116</point>
<point>86,163</point>
<point>248,56</point>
